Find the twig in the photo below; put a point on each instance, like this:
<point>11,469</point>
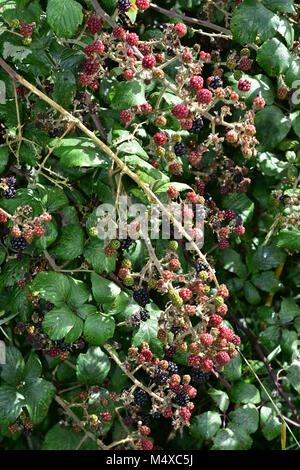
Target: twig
<point>256,346</point>
<point>99,10</point>
<point>19,126</point>
<point>187,19</point>
<point>144,186</point>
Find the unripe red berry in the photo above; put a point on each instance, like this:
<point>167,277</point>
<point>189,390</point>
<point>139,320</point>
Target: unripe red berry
<point>147,445</point>
<point>244,85</point>
<point>204,96</point>
<point>160,138</point>
<point>222,358</point>
<point>180,29</point>
<point>185,293</point>
<point>142,4</point>
<point>106,416</point>
<point>174,264</point>
<point>94,24</point>
<point>149,61</point>
<point>239,230</point>
<point>180,111</point>
<point>125,116</point>
<point>128,74</point>
<point>132,39</point>
<point>215,320</point>
<point>146,108</point>
<point>119,32</point>
<point>206,364</point>
<point>206,339</point>
<point>196,82</point>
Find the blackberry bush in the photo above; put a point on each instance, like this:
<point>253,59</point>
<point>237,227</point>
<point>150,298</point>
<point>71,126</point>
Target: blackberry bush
<point>124,330</point>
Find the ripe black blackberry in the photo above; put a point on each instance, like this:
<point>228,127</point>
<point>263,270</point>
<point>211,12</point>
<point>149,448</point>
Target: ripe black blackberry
<point>9,193</point>
<point>19,244</point>
<point>169,352</point>
<point>197,125</point>
<point>182,399</point>
<point>144,315</point>
<point>198,376</point>
<point>201,267</point>
<point>126,243</point>
<point>172,368</point>
<point>282,199</point>
<point>160,377</point>
<point>170,52</point>
<point>238,178</point>
<point>175,330</point>
<point>55,132</point>
<point>141,296</point>
<point>239,220</point>
<point>216,83</point>
<point>140,397</point>
<point>135,319</point>
<point>146,420</point>
<point>49,306</point>
<point>179,149</point>
<point>124,5</point>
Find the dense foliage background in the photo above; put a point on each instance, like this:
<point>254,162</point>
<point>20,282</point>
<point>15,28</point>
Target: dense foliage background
<point>75,312</point>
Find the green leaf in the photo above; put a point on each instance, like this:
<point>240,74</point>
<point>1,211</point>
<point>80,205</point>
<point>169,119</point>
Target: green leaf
<point>273,118</point>
<point>289,239</point>
<point>273,57</point>
<point>220,398</point>
<point>132,148</point>
<point>79,293</point>
<point>60,321</point>
<point>270,337</point>
<point>288,310</point>
<point>64,88</point>
<point>33,368</point>
<point>286,6</point>
<point>127,94</point>
<point>79,152</point>
<point>293,375</point>
<point>38,395</point>
<point>252,18</point>
<point>53,198</point>
<point>260,86</point>
<point>243,392</point>
<point>270,425</point>
<point>228,439</point>
<point>251,293</point>
<point>296,122</point>
<point>51,286</point>
<point>98,328</point>
<point>92,368</point>
<point>246,417</point>
<point>267,257</point>
<point>70,244</point>
<point>94,254</point>
<point>293,72</point>
<point>104,291</point>
<point>50,236</point>
<point>287,31</point>
<point>13,272</point>
<point>11,404</point>
<point>206,425</point>
<point>267,281</point>
<point>13,370</point>
<point>3,158</point>
<point>232,262</point>
<point>270,165</point>
<point>233,370</point>
<point>64,17</point>
<point>60,438</point>
<point>241,205</point>
<point>147,332</point>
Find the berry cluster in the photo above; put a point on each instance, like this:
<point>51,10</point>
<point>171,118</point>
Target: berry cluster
<point>7,186</point>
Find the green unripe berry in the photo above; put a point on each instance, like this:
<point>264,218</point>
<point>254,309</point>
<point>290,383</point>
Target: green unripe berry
<point>203,275</point>
<point>126,263</point>
<point>93,231</point>
<point>115,244</point>
<point>26,41</point>
<point>128,281</point>
<point>219,301</point>
<point>173,245</point>
<point>152,283</point>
